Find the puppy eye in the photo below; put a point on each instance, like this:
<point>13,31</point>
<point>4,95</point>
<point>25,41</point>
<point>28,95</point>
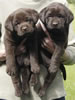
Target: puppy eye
<point>28,19</point>
<point>16,22</point>
<point>61,16</point>
<point>49,15</point>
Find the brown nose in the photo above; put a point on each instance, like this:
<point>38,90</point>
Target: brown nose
<point>24,28</point>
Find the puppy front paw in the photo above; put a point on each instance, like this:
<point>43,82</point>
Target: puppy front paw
<point>35,68</point>
<point>25,88</point>
<point>11,71</point>
<point>33,80</point>
<point>19,93</point>
<point>49,69</point>
<point>52,69</point>
<point>26,61</point>
<point>41,92</point>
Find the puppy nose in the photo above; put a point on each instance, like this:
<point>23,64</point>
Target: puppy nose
<point>55,23</point>
<point>24,28</point>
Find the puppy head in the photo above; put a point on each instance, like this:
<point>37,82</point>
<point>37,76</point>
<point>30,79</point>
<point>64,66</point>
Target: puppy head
<point>22,21</point>
<point>56,16</point>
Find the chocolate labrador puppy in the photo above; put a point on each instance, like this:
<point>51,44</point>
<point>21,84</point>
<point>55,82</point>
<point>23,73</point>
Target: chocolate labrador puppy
<point>19,26</point>
<point>56,18</point>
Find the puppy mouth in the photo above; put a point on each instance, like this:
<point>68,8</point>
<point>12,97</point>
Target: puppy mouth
<point>25,33</point>
<point>56,31</point>
<point>57,28</point>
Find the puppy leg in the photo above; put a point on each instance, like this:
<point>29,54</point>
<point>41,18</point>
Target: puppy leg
<point>53,68</point>
<point>26,60</point>
<point>34,65</point>
<point>56,58</point>
<point>25,79</point>
<point>17,84</point>
<point>43,88</point>
<point>35,68</point>
<point>33,79</point>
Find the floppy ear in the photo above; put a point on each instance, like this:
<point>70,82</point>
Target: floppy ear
<point>8,23</point>
<point>43,14</point>
<point>69,16</point>
<point>35,16</point>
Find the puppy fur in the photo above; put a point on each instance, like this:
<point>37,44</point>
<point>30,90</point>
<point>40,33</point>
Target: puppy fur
<point>56,18</point>
<point>20,25</point>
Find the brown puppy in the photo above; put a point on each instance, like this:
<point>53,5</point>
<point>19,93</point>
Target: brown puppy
<point>56,18</point>
<point>18,26</point>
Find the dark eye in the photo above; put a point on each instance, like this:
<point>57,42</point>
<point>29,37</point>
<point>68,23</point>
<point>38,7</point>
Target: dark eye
<point>16,22</point>
<point>61,16</point>
<point>49,15</point>
<point>28,19</point>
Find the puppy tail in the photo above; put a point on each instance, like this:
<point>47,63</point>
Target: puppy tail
<point>62,68</point>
